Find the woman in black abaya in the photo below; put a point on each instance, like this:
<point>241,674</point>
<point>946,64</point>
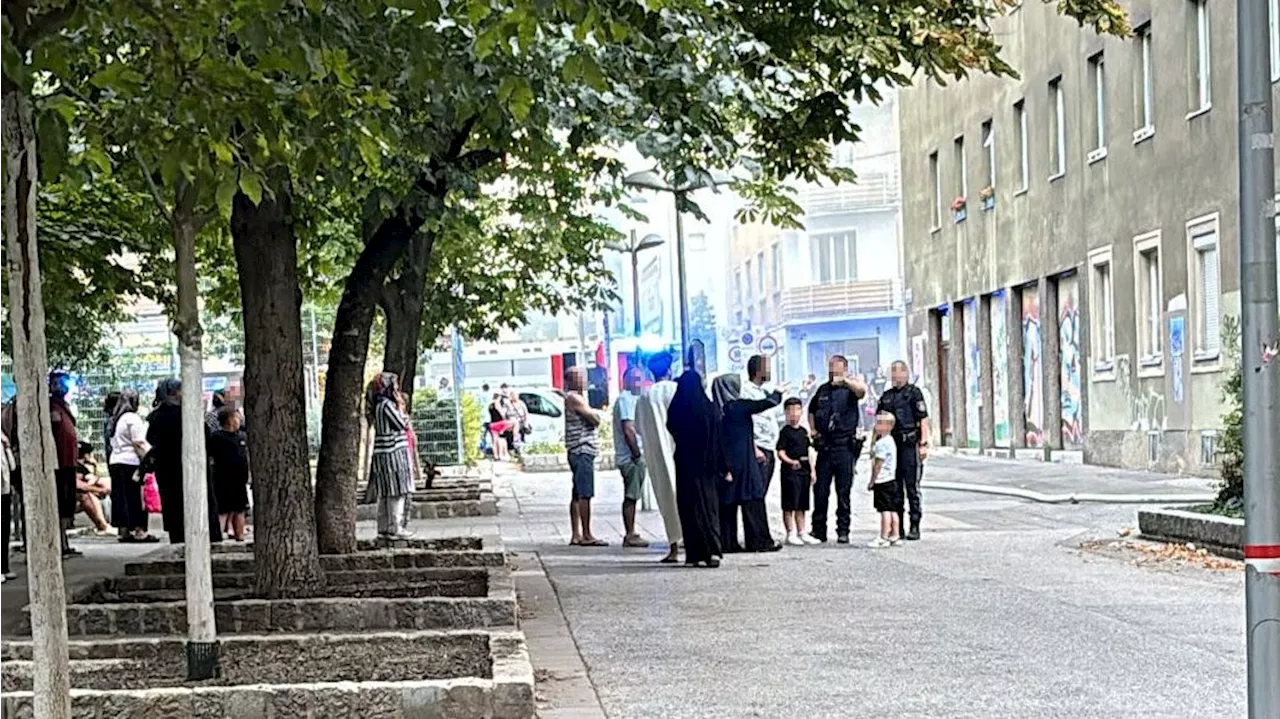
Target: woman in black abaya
<point>746,486</point>
<point>693,424</point>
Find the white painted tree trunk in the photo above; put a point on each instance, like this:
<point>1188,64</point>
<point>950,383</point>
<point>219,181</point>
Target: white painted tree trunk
<point>37,458</point>
<point>202,651</point>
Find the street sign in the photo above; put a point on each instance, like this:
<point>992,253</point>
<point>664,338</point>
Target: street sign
<point>748,339</point>
<point>735,354</point>
<point>768,346</point>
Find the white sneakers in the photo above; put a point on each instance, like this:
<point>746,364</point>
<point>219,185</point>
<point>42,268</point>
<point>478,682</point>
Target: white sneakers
<point>794,539</point>
<point>809,539</point>
<point>878,543</point>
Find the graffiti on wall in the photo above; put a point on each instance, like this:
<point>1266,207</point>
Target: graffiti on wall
<point>1000,369</point>
<point>1147,411</point>
<point>972,376</point>
<point>1176,340</point>
<point>917,359</point>
<point>1032,370</point>
<point>1070,362</point>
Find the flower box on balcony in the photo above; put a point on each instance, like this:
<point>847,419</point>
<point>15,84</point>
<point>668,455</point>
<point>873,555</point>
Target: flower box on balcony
<point>960,215</point>
<point>988,203</point>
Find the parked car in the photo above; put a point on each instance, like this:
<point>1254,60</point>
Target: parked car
<point>546,415</point>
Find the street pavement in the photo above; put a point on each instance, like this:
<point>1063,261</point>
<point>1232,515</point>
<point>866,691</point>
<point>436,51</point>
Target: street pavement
<point>997,612</point>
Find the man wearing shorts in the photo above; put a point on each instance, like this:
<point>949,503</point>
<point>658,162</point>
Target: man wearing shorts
<point>628,453</point>
<point>581,424</point>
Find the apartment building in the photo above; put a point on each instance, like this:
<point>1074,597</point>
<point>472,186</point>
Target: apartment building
<point>834,287</point>
<point>1071,238</point>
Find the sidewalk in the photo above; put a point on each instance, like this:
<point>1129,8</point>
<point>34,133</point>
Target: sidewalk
<point>1043,481</point>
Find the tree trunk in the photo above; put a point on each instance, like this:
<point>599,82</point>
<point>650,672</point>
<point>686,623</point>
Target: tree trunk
<point>51,680</point>
<point>402,304</point>
<point>338,471</point>
<point>202,636</point>
<point>288,563</point>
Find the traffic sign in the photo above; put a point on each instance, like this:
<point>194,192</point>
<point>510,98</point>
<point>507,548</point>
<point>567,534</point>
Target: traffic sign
<point>748,339</point>
<point>735,354</point>
<point>768,346</point>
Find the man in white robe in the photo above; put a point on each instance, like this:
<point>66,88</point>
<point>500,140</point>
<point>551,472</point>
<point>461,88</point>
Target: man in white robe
<point>659,448</point>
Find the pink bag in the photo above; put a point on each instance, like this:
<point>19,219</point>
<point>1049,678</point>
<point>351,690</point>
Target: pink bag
<point>150,494</point>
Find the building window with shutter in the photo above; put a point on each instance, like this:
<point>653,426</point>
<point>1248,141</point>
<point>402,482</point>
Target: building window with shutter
<point>1204,267</point>
<point>1150,305</point>
<point>1102,323</point>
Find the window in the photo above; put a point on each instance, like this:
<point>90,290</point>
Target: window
<point>1206,287</point>
<point>1057,130</point>
<point>1098,79</point>
<point>538,404</point>
<point>1199,61</point>
<point>1024,155</point>
<point>1102,328</point>
<point>835,256</point>
<point>1143,87</point>
<point>962,169</point>
<point>989,144</point>
<point>775,257</point>
<point>738,297</point>
<point>1273,22</point>
<point>750,289</point>
<point>937,190</point>
<point>1146,255</point>
<point>760,285</point>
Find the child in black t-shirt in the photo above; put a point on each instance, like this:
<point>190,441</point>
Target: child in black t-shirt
<point>230,457</point>
<point>797,474</point>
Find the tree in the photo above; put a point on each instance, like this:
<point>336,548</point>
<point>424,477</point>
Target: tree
<point>31,36</point>
<point>1231,440</point>
<point>702,325</point>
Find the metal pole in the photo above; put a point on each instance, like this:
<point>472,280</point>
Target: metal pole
<point>582,341</point>
<point>1261,383</point>
<point>683,299</point>
<point>459,377</point>
<point>635,286</point>
<point>315,356</point>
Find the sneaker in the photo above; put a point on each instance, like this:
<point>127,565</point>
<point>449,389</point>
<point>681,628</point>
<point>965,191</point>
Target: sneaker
<point>878,543</point>
<point>895,542</point>
<point>842,539</point>
<point>809,539</point>
<point>402,534</point>
<point>794,540</point>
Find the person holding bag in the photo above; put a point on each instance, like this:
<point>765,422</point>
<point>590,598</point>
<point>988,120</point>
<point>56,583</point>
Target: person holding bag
<point>128,442</point>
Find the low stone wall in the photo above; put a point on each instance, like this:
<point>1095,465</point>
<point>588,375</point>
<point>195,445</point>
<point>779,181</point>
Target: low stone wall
<point>413,582</point>
<point>243,562</point>
<point>497,608</point>
<point>560,463</point>
<point>486,505</point>
<point>1220,535</point>
<point>503,690</point>
<point>443,544</point>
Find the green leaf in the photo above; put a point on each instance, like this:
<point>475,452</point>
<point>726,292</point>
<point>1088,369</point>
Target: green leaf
<point>95,155</point>
<point>222,150</point>
<point>251,186</point>
<point>63,105</point>
<point>370,152</point>
<point>225,194</point>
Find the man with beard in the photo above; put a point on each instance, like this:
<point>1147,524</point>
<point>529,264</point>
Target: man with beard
<point>834,418</point>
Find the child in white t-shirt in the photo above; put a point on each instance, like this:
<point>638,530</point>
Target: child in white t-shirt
<point>885,488</point>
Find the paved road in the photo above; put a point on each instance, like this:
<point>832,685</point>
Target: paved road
<point>996,613</point>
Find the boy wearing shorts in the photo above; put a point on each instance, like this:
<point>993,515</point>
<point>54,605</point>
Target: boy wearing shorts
<point>797,474</point>
<point>885,486</point>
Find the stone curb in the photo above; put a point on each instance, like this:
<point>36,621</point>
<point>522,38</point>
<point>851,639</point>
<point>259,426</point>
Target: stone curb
<point>1220,535</point>
<point>507,695</point>
<point>485,506</point>
<point>242,562</point>
<point>1072,498</point>
<point>535,463</point>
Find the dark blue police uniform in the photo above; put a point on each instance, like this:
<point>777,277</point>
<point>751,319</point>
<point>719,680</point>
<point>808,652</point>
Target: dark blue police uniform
<point>907,405</point>
<point>835,413</point>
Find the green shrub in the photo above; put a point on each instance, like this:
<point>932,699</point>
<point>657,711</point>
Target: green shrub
<point>544,448</point>
<point>1231,439</point>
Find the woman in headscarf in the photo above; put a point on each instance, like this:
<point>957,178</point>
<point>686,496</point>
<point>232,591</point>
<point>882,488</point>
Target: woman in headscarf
<point>699,463</point>
<point>164,434</point>
<point>745,485</point>
<point>390,473</point>
<point>127,437</point>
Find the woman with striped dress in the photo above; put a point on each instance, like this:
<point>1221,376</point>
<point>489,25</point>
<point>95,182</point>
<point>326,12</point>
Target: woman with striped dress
<point>390,472</point>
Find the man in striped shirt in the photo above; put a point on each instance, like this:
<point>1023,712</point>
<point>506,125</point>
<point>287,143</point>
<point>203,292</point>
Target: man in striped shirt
<point>581,424</point>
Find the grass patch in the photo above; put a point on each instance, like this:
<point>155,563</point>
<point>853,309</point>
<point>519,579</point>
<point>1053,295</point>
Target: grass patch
<point>1221,511</point>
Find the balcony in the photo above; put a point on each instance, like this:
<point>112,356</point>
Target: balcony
<point>841,299</point>
<point>873,190</point>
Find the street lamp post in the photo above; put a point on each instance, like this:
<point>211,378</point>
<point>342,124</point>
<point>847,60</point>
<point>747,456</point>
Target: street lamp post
<point>634,248</point>
<point>694,180</point>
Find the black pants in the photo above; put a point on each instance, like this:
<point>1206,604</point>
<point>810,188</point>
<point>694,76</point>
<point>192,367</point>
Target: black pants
<point>755,526</point>
<point>729,527</point>
<point>833,464</point>
<point>909,471</point>
<point>6,505</point>
<point>766,467</point>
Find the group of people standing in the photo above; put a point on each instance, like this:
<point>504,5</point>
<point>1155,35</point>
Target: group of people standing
<point>142,454</point>
<point>711,454</point>
<point>508,423</point>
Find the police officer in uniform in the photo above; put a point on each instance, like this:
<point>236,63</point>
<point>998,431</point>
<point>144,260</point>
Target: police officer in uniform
<point>833,422</point>
<point>911,434</point>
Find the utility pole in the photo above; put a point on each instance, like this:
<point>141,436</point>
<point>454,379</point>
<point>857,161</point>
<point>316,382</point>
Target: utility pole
<point>683,292</point>
<point>1261,374</point>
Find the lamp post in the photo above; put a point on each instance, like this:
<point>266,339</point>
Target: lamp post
<point>634,247</point>
<point>693,180</point>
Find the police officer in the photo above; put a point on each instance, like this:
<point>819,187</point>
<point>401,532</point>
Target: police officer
<point>833,422</point>
<point>911,434</point>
